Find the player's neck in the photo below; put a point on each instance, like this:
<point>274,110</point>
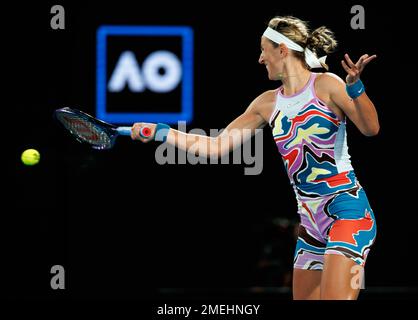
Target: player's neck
<point>294,79</point>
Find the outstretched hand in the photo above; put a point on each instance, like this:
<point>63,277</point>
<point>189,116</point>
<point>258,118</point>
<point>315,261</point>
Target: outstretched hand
<point>136,131</point>
<point>354,70</point>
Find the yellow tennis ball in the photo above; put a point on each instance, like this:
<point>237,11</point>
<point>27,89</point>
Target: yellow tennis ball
<point>30,157</point>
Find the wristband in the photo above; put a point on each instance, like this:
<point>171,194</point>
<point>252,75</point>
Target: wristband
<point>161,132</point>
<point>356,89</point>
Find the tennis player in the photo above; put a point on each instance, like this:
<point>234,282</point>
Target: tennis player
<point>307,115</point>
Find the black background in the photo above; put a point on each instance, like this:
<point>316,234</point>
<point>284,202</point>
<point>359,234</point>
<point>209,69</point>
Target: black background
<point>123,226</point>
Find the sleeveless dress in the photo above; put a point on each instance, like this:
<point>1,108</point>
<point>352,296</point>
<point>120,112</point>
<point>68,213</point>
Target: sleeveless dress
<point>335,214</point>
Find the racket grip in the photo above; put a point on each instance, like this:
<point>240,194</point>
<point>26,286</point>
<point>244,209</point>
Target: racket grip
<point>124,131</point>
<point>145,132</point>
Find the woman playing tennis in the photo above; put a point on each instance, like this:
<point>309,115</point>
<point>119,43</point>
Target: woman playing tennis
<point>307,115</point>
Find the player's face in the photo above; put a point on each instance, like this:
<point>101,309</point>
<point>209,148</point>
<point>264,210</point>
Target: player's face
<point>271,58</point>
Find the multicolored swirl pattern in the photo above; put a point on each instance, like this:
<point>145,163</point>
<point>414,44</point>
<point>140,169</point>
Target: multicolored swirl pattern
<point>336,217</point>
<point>341,223</point>
<point>307,143</point>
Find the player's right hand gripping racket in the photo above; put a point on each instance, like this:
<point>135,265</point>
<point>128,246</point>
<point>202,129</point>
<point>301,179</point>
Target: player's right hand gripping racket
<point>99,134</point>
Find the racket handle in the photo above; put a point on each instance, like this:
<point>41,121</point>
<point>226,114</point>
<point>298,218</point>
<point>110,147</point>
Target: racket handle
<point>124,131</point>
<point>145,132</point>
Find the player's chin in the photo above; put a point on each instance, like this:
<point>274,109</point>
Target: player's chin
<point>270,75</point>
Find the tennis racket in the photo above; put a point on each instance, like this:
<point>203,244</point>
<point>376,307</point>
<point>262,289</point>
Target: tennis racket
<point>99,134</point>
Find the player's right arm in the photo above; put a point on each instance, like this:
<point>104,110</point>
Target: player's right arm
<point>237,132</point>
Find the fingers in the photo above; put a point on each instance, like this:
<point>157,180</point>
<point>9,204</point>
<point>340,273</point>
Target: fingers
<point>366,61</point>
<point>349,70</point>
<point>349,62</point>
<point>135,132</point>
<point>359,63</point>
<point>354,69</point>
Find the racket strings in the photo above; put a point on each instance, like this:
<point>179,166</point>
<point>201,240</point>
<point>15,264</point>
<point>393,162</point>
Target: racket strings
<point>86,130</point>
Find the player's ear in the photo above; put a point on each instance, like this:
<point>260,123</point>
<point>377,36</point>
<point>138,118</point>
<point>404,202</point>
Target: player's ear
<point>283,50</point>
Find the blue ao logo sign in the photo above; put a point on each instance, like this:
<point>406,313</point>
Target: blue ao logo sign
<point>144,74</point>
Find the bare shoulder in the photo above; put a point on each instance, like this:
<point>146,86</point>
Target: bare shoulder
<point>264,100</point>
<point>264,104</point>
<point>266,96</point>
<point>328,86</point>
<point>327,81</point>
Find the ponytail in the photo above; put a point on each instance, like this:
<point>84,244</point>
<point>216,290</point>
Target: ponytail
<point>320,41</point>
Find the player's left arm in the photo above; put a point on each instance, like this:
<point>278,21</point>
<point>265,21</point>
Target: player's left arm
<point>361,109</point>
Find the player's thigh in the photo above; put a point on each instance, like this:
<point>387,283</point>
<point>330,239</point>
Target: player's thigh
<point>306,284</point>
<point>338,278</point>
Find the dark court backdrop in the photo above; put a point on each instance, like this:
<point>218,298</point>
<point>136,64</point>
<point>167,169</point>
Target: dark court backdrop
<point>123,226</point>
